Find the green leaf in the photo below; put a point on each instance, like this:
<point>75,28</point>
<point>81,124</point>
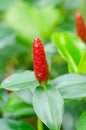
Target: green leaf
<point>71,85</point>
<point>17,106</point>
<point>8,124</point>
<point>25,95</point>
<point>82,122</point>
<point>31,22</point>
<point>48,105</point>
<point>70,47</point>
<point>20,81</point>
<point>82,64</point>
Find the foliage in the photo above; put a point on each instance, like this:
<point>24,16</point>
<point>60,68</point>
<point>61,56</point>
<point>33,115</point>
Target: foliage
<point>22,100</point>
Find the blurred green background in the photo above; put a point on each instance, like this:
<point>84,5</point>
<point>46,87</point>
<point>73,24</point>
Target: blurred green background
<point>20,22</point>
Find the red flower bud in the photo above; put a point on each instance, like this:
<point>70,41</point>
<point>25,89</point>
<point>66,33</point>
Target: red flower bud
<point>80,26</point>
<point>40,63</point>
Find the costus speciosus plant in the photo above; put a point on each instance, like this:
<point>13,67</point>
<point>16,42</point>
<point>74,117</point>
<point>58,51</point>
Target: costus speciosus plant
<point>44,95</point>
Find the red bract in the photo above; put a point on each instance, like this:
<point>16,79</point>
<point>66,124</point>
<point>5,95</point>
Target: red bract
<point>41,68</point>
<point>80,26</point>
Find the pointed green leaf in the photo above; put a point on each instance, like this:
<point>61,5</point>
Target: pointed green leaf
<point>20,81</point>
<point>48,105</point>
<point>71,85</point>
<point>82,122</point>
<point>70,47</point>
<point>8,124</point>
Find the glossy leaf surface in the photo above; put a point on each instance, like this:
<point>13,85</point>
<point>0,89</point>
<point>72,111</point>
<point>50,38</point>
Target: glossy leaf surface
<point>48,105</point>
<point>20,81</point>
<point>71,85</point>
<point>70,47</point>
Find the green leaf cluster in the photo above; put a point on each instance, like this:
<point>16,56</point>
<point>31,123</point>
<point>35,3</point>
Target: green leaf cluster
<point>72,49</point>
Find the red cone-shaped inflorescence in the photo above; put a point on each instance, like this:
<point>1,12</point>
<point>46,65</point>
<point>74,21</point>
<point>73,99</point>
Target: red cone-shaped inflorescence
<point>80,26</point>
<point>41,68</point>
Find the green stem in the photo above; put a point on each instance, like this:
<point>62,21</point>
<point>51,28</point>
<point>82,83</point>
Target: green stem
<point>43,84</point>
<point>39,124</point>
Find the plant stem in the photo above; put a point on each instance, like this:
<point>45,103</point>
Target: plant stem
<point>39,124</point>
